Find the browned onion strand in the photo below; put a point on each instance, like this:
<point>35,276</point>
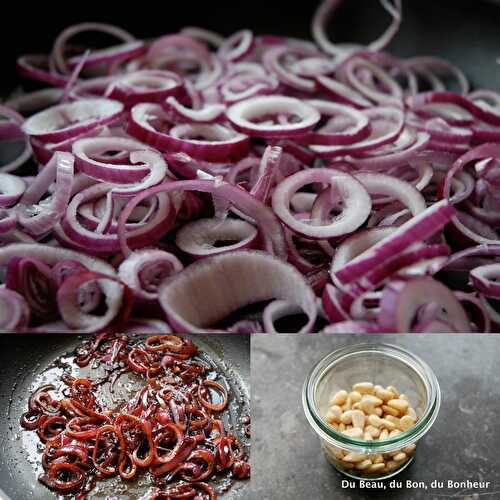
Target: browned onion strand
<point>171,428</point>
<point>195,183</point>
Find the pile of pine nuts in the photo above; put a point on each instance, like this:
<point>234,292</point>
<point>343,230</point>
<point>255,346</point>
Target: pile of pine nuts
<point>370,412</point>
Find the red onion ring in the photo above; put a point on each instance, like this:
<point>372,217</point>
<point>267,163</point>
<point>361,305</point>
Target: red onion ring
<point>144,270</point>
<point>356,203</point>
<point>223,297</point>
<point>68,120</point>
<point>243,116</point>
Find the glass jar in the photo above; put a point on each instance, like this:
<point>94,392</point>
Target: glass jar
<point>380,364</point>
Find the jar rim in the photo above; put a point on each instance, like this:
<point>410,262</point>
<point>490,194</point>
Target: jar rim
<point>336,438</point>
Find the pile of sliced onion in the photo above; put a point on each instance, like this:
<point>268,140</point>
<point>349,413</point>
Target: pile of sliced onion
<point>197,183</point>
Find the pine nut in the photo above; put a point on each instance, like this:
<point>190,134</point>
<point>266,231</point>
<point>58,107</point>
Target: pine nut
<point>355,457</point>
<point>391,465</point>
<point>410,449</point>
<point>358,419</point>
<point>347,465</point>
<point>363,465</point>
<point>373,431</point>
<point>354,433</point>
<point>376,468</point>
<point>384,394</point>
<point>355,396</point>
<point>339,398</point>
<point>388,424</point>
<point>394,420</point>
<point>346,417</point>
<point>336,411</point>
<point>363,387</point>
<point>399,404</point>
<point>406,423</point>
<point>375,420</point>
<point>390,410</point>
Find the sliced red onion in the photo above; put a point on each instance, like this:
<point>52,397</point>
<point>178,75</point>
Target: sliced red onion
<point>211,289</point>
<point>279,146</point>
<point>43,151</point>
<point>395,189</point>
<point>207,237</point>
<point>426,63</point>
<point>143,234</point>
<point>270,229</point>
<point>355,203</point>
<point>68,120</point>
<point>401,301</point>
<point>38,215</point>
<point>357,244</point>
<point>476,310</point>
<point>332,301</point>
<point>243,86</point>
<point>8,221</point>
<point>413,262</point>
<point>387,93</point>
<point>145,86</point>
<point>390,156</point>
<point>237,46</point>
<point>76,301</point>
<point>143,271</point>
<point>148,166</point>
<point>52,255</point>
<point>440,130</point>
<point>347,126</point>
<point>246,115</point>
<point>386,125</point>
<point>11,130</point>
<point>267,173</point>
<point>34,66</point>
<point>118,53</point>
<point>219,143</point>
<point>274,60</point>
<point>327,9</point>
<point>11,189</point>
<point>210,114</point>
<point>418,228</point>
<point>276,310</point>
<point>487,114</point>
<point>313,66</point>
<point>32,278</point>
<point>13,117</point>
<point>14,311</point>
<point>62,39</point>
<point>484,279</point>
<point>343,93</point>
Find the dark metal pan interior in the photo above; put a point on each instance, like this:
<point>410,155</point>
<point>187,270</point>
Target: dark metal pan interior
<point>24,360</point>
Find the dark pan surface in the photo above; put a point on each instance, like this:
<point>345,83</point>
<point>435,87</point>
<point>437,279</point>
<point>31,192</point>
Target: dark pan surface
<point>24,360</point>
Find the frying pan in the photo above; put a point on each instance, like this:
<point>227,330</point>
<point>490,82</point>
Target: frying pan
<point>23,361</point>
